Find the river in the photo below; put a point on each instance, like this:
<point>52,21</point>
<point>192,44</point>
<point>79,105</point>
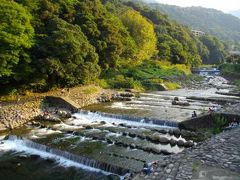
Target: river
<point>104,140</point>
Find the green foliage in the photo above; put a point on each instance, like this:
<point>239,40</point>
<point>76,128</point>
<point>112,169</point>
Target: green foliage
<point>106,32</point>
<point>231,71</point>
<point>16,36</point>
<point>120,81</point>
<point>219,123</point>
<point>174,43</point>
<point>47,44</point>
<point>172,85</point>
<point>102,83</point>
<point>67,58</point>
<point>216,53</point>
<point>148,75</point>
<point>142,32</point>
<point>90,90</point>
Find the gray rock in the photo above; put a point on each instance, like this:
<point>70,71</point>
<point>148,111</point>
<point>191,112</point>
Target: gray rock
<point>173,142</point>
<point>170,165</point>
<point>188,144</point>
<point>176,132</point>
<point>180,143</point>
<point>168,171</point>
<point>163,140</point>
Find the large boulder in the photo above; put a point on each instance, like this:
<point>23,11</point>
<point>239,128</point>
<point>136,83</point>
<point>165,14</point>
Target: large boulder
<point>186,133</point>
<point>164,140</point>
<point>64,114</point>
<point>173,142</point>
<point>176,132</point>
<point>155,137</point>
<point>188,144</point>
<point>126,94</point>
<point>162,131</point>
<point>180,143</point>
<point>180,103</point>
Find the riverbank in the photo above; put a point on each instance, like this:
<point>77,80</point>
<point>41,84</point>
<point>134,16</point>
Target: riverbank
<point>217,157</point>
<point>14,114</point>
<point>82,96</point>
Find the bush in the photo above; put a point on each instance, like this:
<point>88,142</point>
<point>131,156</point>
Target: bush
<point>172,85</point>
<point>119,81</point>
<point>102,83</point>
<point>219,123</point>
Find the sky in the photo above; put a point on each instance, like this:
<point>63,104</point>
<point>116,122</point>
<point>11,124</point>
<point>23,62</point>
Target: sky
<point>223,5</point>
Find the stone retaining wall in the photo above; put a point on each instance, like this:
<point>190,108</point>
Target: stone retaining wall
<point>207,120</point>
<point>17,113</point>
<point>62,103</point>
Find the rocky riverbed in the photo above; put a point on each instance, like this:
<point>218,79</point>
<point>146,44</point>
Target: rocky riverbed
<point>192,163</point>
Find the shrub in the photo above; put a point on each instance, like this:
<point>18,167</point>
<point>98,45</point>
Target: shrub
<point>172,85</point>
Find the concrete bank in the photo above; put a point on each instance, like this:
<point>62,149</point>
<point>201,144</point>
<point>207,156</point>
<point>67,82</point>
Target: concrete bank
<point>216,158</point>
<point>230,113</point>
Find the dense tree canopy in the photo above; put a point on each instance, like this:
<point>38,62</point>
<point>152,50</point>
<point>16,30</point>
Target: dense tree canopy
<point>16,36</point>
<point>63,43</point>
<point>106,32</point>
<point>175,42</point>
<point>143,33</point>
<point>66,56</point>
<point>216,50</point>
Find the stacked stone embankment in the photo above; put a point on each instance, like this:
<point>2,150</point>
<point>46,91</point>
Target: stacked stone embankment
<point>217,157</point>
<point>15,114</point>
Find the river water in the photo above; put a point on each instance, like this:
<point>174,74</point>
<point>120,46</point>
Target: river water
<point>158,105</point>
<point>102,141</point>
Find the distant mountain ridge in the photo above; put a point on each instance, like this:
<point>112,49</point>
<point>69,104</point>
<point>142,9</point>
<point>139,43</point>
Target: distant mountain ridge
<point>235,13</point>
<point>224,26</point>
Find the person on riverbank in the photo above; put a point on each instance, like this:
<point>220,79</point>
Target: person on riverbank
<point>68,92</point>
<point>62,91</point>
<point>210,110</point>
<point>194,114</point>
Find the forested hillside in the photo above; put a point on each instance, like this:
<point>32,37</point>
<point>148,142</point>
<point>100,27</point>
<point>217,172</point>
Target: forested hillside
<point>224,26</point>
<point>48,44</point>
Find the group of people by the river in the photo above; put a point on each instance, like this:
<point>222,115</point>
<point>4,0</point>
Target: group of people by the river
<point>213,109</point>
<point>210,110</point>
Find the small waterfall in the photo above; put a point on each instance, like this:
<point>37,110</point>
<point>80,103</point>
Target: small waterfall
<point>70,156</point>
<point>143,120</point>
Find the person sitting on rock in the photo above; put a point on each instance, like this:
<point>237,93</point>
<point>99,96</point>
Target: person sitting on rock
<point>194,114</point>
<point>210,110</point>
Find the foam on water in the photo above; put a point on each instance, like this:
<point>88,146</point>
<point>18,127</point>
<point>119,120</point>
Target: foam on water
<point>89,117</point>
<point>19,146</point>
<point>42,132</point>
<point>122,105</point>
<point>64,126</point>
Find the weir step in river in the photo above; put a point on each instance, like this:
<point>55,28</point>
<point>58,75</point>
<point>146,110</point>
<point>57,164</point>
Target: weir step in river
<point>70,156</point>
<point>109,143</point>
